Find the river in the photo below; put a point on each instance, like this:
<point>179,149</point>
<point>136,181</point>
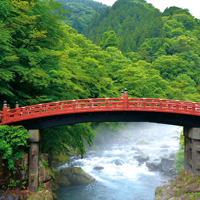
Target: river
<point>129,180</point>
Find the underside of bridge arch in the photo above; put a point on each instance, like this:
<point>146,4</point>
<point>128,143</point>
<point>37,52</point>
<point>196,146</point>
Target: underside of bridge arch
<point>114,116</point>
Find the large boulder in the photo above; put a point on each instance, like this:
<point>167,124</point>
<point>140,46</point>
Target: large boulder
<point>153,165</point>
<point>167,164</point>
<point>141,158</point>
<point>72,176</point>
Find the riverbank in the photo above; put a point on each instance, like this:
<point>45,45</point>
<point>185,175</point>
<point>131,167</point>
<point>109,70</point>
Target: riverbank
<point>185,187</point>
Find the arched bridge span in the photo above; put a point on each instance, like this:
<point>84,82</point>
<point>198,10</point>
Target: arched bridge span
<point>123,109</point>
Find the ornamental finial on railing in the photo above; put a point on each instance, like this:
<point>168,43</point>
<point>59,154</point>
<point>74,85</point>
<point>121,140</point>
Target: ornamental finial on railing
<point>125,91</point>
<point>16,104</point>
<point>122,93</point>
<point>8,106</point>
<point>4,103</point>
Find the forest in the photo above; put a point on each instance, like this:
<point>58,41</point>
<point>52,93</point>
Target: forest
<point>48,55</point>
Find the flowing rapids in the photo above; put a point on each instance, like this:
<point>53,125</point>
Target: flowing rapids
<point>129,180</point>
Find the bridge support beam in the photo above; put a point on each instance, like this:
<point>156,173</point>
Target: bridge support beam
<point>192,149</point>
<point>33,159</point>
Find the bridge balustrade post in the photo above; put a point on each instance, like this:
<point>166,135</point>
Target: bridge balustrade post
<point>5,110</point>
<point>193,107</point>
<point>90,104</point>
<point>125,99</point>
<point>192,149</point>
<point>33,159</point>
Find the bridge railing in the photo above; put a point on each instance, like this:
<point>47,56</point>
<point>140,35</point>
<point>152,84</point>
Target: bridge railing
<point>98,105</point>
<point>164,105</point>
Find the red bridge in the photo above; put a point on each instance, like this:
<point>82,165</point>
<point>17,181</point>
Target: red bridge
<point>123,109</point>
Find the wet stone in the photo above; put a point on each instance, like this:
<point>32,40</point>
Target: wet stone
<point>98,168</point>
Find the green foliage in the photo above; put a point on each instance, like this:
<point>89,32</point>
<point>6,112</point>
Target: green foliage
<point>52,175</point>
<point>197,194</point>
<point>13,183</point>
<point>80,12</point>
<point>188,177</point>
<point>12,138</point>
<point>62,139</point>
<point>109,40</point>
<point>132,20</point>
<point>44,162</point>
<point>40,187</point>
<point>179,161</point>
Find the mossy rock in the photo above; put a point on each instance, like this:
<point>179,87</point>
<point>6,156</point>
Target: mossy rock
<point>35,196</point>
<point>60,181</point>
<point>42,195</point>
<point>54,196</point>
<point>55,186</point>
<point>184,187</point>
<point>76,175</point>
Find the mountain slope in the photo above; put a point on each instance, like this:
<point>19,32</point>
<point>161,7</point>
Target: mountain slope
<point>132,20</point>
<point>81,12</point>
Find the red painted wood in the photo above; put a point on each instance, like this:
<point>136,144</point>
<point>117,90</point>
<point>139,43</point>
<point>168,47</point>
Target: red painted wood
<point>99,105</point>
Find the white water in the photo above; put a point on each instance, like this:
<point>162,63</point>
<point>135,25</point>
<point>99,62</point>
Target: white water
<point>130,180</point>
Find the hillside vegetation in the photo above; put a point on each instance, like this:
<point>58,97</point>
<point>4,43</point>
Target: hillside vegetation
<point>167,43</point>
<point>80,12</point>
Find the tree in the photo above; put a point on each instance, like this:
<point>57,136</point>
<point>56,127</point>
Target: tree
<point>109,40</point>
<point>12,140</point>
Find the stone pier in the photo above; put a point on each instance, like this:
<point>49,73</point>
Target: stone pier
<point>192,149</point>
<point>33,159</point>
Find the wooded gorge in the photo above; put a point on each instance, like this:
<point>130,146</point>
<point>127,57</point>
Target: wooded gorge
<point>131,44</point>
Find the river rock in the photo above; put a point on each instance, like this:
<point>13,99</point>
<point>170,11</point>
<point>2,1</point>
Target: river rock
<point>72,176</point>
<point>98,168</point>
<point>134,148</point>
<point>167,164</point>
<point>163,150</point>
<point>118,162</point>
<point>165,146</point>
<point>139,152</point>
<point>153,165</point>
<point>141,158</point>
